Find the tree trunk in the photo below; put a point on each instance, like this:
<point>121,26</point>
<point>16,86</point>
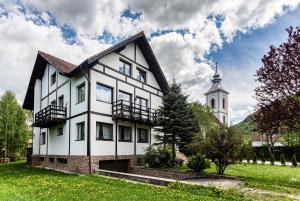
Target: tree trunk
<point>173,151</point>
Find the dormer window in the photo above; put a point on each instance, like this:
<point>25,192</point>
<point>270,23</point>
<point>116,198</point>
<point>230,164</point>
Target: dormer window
<point>125,68</point>
<point>141,75</point>
<point>53,78</point>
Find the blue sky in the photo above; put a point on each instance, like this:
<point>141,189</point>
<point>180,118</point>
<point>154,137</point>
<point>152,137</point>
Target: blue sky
<point>187,38</point>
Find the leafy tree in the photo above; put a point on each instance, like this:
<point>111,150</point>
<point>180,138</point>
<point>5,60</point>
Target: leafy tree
<point>279,79</point>
<point>175,120</point>
<point>205,120</point>
<point>272,159</point>
<point>14,131</point>
<point>222,145</point>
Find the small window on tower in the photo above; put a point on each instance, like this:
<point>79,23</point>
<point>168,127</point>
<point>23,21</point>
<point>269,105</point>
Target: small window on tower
<point>223,103</point>
<point>224,119</point>
<point>212,103</point>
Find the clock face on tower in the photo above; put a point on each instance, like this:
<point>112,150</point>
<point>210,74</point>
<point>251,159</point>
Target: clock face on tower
<point>217,98</point>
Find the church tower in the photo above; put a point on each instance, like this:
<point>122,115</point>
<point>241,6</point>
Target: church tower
<point>217,98</point>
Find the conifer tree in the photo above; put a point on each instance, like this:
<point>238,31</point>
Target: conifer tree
<point>175,120</point>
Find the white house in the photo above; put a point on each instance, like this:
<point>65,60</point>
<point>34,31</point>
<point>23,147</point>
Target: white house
<point>217,98</point>
<point>98,113</point>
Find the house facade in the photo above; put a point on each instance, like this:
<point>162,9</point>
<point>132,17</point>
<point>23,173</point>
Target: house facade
<point>98,114</point>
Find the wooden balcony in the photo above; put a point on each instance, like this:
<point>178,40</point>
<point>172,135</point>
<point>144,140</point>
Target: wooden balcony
<point>50,116</point>
<point>126,111</point>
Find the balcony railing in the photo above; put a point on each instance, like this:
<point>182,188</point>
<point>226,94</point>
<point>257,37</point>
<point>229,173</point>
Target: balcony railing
<point>127,111</point>
<point>50,116</point>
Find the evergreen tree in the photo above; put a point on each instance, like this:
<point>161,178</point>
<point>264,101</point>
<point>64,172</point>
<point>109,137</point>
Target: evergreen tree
<point>14,131</point>
<point>175,120</point>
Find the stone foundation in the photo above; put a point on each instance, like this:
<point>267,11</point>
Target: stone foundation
<point>78,164</point>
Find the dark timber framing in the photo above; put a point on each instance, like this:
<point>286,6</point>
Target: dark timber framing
<point>68,70</point>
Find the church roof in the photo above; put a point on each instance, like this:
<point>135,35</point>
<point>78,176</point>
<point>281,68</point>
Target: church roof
<point>217,86</point>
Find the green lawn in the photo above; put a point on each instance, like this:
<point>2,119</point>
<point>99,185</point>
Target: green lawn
<point>18,182</point>
<point>274,178</point>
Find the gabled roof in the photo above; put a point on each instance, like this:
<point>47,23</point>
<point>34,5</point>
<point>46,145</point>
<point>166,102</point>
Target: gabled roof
<point>141,40</point>
<point>42,59</point>
<point>69,69</point>
<point>62,66</point>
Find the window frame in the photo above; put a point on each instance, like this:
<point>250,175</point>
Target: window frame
<point>124,62</point>
<point>80,125</point>
<point>59,100</point>
<point>53,78</point>
<point>98,134</point>
<point>119,134</point>
<point>139,135</point>
<point>140,71</point>
<point>112,93</point>
<point>78,91</point>
<point>138,98</point>
<point>43,138</point>
<point>126,93</point>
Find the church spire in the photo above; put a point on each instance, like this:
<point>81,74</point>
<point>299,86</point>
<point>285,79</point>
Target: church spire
<point>216,77</point>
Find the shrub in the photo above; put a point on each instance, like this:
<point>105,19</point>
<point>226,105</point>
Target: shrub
<point>272,160</point>
<point>294,160</point>
<point>141,160</point>
<point>198,163</point>
<point>157,157</point>
<point>254,158</point>
<point>282,159</point>
<point>263,158</point>
<point>178,162</point>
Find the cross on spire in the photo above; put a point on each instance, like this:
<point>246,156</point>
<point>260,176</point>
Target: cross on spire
<point>216,65</point>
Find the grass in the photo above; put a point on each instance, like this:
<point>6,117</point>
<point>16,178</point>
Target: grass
<point>18,182</point>
<point>274,178</point>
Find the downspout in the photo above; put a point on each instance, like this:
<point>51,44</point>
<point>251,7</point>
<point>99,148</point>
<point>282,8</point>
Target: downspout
<point>88,113</point>
<point>88,122</point>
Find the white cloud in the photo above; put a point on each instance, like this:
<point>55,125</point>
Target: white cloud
<point>21,38</point>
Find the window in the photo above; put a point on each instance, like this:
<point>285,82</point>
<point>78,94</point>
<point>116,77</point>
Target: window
<point>224,119</point>
<point>53,102</point>
<point>43,138</point>
<point>212,103</point>
<point>104,131</point>
<point>126,97</point>
<point>60,131</point>
<point>125,68</point>
<point>80,131</point>
<point>42,159</point>
<point>141,101</point>
<point>51,160</point>
<point>53,78</point>
<point>142,135</point>
<point>80,93</point>
<point>61,101</point>
<point>104,93</point>
<point>223,103</point>
<point>125,134</point>
<point>141,75</point>
<point>62,160</point>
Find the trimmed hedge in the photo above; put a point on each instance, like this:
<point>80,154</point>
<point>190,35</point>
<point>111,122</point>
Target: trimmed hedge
<point>287,151</point>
